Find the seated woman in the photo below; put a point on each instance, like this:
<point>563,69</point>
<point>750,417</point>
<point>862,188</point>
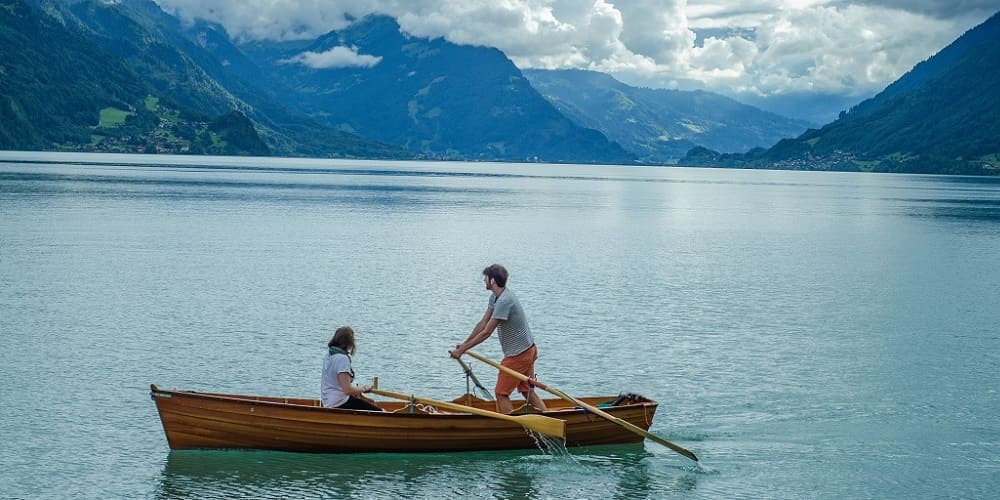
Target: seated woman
<point>337,387</point>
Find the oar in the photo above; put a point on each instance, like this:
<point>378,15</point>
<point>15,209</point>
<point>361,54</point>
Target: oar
<point>593,409</point>
<point>468,373</point>
<point>538,423</point>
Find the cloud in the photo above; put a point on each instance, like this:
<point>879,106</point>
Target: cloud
<point>765,47</point>
<point>944,9</point>
<point>337,57</point>
<point>841,49</point>
<point>658,30</point>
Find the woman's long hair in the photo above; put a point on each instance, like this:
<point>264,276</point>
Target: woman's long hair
<point>344,339</point>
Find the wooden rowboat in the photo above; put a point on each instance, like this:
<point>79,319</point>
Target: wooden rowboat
<point>194,420</point>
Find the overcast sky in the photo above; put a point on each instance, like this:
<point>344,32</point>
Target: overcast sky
<point>765,47</point>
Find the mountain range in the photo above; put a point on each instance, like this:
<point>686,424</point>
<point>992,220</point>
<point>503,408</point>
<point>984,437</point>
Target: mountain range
<point>660,125</point>
<point>428,99</point>
<point>91,75</point>
<point>430,96</point>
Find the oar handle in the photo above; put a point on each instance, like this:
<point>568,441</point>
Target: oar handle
<point>593,409</point>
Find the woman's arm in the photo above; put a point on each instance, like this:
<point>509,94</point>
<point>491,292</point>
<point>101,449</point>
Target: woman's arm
<point>351,390</point>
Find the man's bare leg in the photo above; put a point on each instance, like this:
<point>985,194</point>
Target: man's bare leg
<point>535,401</point>
<point>504,405</point>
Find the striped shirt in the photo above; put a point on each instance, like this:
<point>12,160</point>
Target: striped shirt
<point>515,335</point>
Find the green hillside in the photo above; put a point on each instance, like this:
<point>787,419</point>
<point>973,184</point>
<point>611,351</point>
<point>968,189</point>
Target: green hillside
<point>161,49</point>
<point>158,128</point>
<point>58,102</point>
<point>84,98</point>
<point>120,77</point>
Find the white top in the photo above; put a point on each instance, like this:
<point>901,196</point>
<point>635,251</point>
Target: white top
<point>333,365</point>
<point>512,323</point>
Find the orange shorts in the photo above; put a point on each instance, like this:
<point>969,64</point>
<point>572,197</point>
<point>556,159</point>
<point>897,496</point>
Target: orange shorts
<point>524,364</point>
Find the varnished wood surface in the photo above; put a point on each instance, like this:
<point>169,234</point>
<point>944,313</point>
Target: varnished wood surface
<point>208,420</point>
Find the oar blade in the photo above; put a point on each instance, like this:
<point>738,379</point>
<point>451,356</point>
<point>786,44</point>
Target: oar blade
<point>593,409</point>
<point>543,425</point>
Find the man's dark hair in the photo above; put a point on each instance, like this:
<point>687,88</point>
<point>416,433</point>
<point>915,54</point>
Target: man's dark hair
<point>497,273</point>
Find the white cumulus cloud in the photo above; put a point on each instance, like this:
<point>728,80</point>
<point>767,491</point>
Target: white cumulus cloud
<point>337,57</point>
<point>764,47</point>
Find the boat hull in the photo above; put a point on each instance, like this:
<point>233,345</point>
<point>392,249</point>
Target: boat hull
<point>193,420</point>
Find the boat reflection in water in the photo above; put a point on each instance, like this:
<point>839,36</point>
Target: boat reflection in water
<point>625,471</point>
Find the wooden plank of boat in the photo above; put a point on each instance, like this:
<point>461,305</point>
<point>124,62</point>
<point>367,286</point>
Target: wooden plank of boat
<point>208,420</point>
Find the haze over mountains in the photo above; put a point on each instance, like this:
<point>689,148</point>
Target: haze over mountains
<point>943,116</point>
<point>660,125</point>
<point>87,75</point>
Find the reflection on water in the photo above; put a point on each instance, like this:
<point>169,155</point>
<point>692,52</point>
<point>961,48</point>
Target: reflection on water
<point>968,211</point>
<point>622,471</point>
<point>190,474</point>
<point>964,198</point>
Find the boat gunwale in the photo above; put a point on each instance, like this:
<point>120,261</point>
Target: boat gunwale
<point>248,399</point>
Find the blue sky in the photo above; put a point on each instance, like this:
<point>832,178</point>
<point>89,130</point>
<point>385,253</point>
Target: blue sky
<point>750,47</point>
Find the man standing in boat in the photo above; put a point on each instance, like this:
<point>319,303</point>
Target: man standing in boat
<point>504,313</point>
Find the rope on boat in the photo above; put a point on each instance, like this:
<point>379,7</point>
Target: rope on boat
<point>414,406</point>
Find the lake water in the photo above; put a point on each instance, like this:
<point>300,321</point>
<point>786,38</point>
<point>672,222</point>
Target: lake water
<point>808,335</point>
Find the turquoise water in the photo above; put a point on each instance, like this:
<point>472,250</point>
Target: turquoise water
<point>808,335</point>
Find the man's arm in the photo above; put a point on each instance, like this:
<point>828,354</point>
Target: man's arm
<point>476,338</point>
<point>479,326</point>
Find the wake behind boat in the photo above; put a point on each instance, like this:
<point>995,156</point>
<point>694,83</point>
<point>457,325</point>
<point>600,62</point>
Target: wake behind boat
<point>195,420</point>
